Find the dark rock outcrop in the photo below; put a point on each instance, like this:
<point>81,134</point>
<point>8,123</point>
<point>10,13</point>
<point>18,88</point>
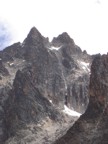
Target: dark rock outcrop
<point>3,70</point>
<point>3,97</point>
<point>92,127</point>
<point>11,52</point>
<point>26,105</point>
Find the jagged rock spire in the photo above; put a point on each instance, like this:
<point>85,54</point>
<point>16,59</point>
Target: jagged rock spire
<point>63,38</point>
<point>34,32</point>
<point>33,37</point>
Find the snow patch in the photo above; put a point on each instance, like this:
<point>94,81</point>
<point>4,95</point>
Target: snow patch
<point>11,64</point>
<point>50,101</point>
<point>54,48</point>
<point>84,65</point>
<point>71,112</point>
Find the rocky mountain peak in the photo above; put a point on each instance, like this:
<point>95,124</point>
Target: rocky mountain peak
<point>34,44</point>
<point>46,82</point>
<point>34,32</point>
<point>33,37</point>
<point>63,38</point>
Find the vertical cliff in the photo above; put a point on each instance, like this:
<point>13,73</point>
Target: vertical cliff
<point>92,126</point>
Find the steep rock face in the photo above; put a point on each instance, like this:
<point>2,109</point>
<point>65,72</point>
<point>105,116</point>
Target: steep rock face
<point>45,70</point>
<point>52,66</point>
<point>92,127</point>
<point>3,97</point>
<point>75,65</point>
<point>77,93</point>
<point>26,105</point>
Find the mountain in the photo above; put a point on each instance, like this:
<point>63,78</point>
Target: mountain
<point>42,84</point>
<point>92,126</point>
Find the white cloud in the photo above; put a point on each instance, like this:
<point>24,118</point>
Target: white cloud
<point>5,34</point>
<point>84,20</point>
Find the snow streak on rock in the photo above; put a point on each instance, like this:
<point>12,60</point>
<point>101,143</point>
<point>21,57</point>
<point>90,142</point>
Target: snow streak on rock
<point>55,48</point>
<point>84,66</point>
<point>71,112</point>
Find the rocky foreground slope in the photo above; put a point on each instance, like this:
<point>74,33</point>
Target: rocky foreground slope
<point>92,126</point>
<point>40,81</point>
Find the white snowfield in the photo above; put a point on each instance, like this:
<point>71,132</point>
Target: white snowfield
<point>55,48</point>
<point>71,112</point>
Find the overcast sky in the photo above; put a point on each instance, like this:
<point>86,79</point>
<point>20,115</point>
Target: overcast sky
<point>86,21</point>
